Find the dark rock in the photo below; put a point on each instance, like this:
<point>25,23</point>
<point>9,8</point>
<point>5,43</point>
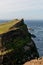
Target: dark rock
<point>33,35</point>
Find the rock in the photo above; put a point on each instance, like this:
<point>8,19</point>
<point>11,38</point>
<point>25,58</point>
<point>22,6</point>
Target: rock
<point>30,29</point>
<point>17,43</point>
<point>33,35</point>
<point>26,48</point>
<point>35,62</point>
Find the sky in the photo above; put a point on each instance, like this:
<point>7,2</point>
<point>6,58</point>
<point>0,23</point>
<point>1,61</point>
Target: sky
<point>27,9</point>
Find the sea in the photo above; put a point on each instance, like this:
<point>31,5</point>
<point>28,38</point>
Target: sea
<point>36,29</point>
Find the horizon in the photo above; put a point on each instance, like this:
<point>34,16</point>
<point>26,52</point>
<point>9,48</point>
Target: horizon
<point>19,19</point>
<point>27,9</point>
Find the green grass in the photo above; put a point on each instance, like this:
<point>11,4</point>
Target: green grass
<point>5,52</point>
<point>5,27</point>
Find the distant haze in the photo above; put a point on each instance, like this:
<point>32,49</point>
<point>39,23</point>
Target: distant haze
<point>27,9</point>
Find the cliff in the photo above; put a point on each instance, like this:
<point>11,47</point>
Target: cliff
<point>16,45</point>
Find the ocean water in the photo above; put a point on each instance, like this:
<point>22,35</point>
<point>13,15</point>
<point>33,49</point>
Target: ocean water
<point>37,29</point>
<point>2,21</point>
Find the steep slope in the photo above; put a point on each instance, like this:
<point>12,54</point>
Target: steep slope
<point>16,45</point>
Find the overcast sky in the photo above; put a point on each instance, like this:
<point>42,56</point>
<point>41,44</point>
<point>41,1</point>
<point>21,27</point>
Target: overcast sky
<point>27,9</point>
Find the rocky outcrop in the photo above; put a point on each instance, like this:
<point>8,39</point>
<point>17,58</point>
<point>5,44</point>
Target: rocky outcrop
<point>38,61</point>
<point>17,45</point>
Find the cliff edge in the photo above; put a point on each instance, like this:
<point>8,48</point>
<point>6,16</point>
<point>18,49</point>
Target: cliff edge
<point>16,45</point>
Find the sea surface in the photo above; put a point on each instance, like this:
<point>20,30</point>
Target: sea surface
<point>37,29</point>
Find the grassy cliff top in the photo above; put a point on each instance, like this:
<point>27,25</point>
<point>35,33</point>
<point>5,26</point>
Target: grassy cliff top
<point>5,27</point>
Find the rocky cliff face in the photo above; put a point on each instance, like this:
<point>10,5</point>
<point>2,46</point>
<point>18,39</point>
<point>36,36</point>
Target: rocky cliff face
<point>16,45</point>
